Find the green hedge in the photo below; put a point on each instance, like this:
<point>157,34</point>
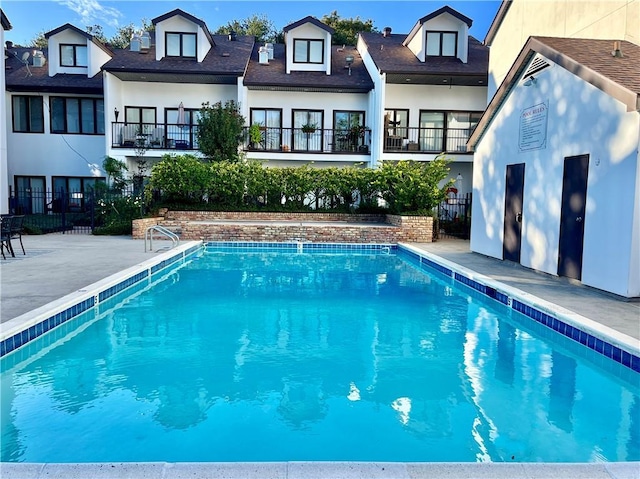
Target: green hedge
<point>406,187</point>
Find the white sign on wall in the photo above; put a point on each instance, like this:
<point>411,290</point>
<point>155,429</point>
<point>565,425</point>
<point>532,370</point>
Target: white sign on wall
<point>533,127</point>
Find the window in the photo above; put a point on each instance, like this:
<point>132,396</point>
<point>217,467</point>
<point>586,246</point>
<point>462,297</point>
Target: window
<point>349,131</point>
<point>181,45</point>
<point>446,131</point>
<point>28,114</point>
<point>70,193</point>
<point>270,123</point>
<point>442,44</point>
<point>73,55</point>
<point>308,51</point>
<point>397,123</point>
<point>182,128</point>
<point>144,117</point>
<point>77,115</point>
<point>307,130</point>
<point>30,196</point>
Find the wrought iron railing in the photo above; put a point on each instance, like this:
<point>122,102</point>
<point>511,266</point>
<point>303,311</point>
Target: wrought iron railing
<point>426,140</point>
<point>154,136</point>
<point>352,141</point>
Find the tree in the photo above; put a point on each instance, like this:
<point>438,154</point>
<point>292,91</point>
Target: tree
<point>220,130</point>
<point>122,37</point>
<point>257,25</point>
<point>346,29</point>
<point>39,41</point>
<point>97,32</point>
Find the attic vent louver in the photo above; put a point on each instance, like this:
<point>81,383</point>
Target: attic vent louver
<point>538,64</point>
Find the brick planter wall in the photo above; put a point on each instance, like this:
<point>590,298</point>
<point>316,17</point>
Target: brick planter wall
<point>284,227</point>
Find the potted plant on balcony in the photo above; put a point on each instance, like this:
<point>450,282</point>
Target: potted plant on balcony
<point>309,128</point>
<point>255,135</point>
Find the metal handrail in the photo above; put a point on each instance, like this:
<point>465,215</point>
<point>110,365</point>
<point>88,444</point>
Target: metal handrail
<point>175,239</point>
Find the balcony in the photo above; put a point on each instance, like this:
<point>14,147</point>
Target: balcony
<point>355,141</point>
<point>426,140</point>
<point>154,136</point>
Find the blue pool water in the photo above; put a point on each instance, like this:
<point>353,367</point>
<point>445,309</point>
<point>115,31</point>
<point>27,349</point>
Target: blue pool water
<point>282,356</point>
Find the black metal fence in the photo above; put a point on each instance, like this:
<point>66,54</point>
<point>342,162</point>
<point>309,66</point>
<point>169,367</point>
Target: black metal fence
<point>62,211</point>
<point>454,217</point>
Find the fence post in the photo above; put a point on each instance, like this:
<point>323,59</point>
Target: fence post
<point>92,209</point>
<point>63,214</point>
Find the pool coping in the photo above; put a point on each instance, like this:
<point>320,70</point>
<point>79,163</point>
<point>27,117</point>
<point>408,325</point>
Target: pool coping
<point>324,470</point>
<point>91,296</point>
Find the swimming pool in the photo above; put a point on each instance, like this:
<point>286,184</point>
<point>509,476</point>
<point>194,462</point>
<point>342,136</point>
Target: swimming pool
<point>400,385</point>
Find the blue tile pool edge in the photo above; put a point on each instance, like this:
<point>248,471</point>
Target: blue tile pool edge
<point>604,340</point>
<point>25,328</point>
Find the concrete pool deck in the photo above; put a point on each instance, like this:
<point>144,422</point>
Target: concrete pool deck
<point>56,265</point>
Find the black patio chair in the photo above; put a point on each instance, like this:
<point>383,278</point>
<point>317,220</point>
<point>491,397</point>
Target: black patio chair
<point>5,235</point>
<point>17,228</point>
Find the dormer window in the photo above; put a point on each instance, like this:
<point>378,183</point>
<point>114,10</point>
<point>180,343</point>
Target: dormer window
<point>308,51</point>
<point>181,45</point>
<point>442,44</point>
<point>73,55</point>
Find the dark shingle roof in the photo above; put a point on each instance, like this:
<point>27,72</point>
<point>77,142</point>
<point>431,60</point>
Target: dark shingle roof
<point>18,79</point>
<point>309,19</point>
<point>591,60</point>
<point>226,57</point>
<point>596,55</point>
<point>274,75</point>
<point>391,56</point>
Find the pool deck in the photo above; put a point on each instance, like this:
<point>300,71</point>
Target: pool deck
<point>57,265</point>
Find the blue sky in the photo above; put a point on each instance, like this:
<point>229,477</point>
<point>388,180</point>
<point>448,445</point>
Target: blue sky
<point>30,17</point>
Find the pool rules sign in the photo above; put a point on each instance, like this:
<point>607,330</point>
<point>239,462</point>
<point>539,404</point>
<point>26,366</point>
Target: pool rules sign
<point>533,127</point>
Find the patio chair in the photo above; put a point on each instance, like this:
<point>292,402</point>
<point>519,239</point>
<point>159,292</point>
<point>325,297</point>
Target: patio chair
<point>129,135</point>
<point>5,235</point>
<point>157,137</point>
<point>17,228</point>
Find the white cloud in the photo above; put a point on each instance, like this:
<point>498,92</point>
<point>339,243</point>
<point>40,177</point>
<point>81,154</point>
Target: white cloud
<point>92,12</point>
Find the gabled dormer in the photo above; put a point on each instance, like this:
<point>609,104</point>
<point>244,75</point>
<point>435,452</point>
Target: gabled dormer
<point>180,35</point>
<point>75,52</point>
<point>308,46</point>
<point>443,33</point>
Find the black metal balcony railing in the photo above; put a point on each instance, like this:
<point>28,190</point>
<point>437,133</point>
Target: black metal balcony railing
<point>157,136</point>
<point>426,140</point>
<point>353,141</point>
<point>154,136</point>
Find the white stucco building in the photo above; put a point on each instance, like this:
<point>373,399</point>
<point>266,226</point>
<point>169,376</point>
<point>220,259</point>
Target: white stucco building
<point>393,96</point>
<point>557,168</point>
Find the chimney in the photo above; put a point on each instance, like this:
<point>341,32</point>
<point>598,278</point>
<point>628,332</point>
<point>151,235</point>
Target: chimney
<point>263,56</point>
<point>233,36</point>
<point>38,59</point>
<point>386,32</point>
<point>145,41</point>
<point>9,44</point>
<point>269,47</point>
<point>616,50</point>
<point>135,43</point>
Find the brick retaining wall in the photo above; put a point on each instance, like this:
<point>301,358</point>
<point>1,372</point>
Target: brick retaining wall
<point>283,227</point>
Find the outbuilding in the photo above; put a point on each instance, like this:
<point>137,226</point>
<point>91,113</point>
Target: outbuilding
<point>556,178</point>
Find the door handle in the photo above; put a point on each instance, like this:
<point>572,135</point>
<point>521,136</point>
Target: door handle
<point>519,217</point>
<point>579,219</point>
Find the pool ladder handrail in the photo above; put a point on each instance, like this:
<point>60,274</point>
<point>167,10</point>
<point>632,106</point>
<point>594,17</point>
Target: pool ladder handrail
<point>175,239</point>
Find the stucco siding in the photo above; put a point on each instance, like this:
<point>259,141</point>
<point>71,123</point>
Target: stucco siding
<point>581,119</point>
